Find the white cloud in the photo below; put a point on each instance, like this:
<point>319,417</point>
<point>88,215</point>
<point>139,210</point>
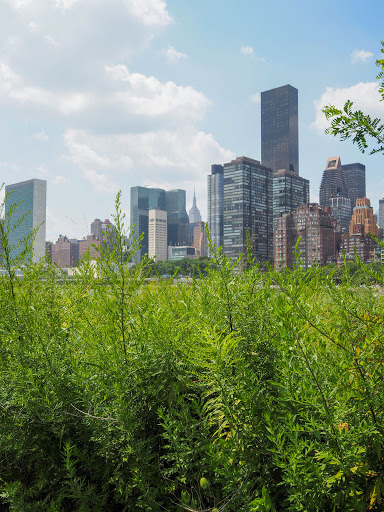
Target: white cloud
<point>41,171</point>
<point>365,97</point>
<point>65,103</point>
<point>151,12</point>
<point>163,156</point>
<point>360,56</point>
<point>147,96</point>
<point>59,180</point>
<point>247,50</point>
<point>255,98</point>
<point>42,136</point>
<point>173,55</point>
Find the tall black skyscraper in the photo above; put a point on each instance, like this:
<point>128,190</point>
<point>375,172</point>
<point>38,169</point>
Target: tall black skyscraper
<point>280,129</point>
<point>354,175</point>
<point>248,208</point>
<point>333,182</point>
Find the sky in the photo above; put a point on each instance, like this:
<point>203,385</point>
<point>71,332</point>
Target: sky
<point>98,96</point>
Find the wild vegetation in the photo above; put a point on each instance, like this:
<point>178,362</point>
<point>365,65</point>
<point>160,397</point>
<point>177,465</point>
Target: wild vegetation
<point>239,391</point>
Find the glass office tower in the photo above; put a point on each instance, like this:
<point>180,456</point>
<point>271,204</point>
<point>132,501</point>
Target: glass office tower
<point>178,220</point>
<point>332,182</point>
<point>144,199</point>
<point>31,196</point>
<point>216,205</point>
<point>354,176</point>
<point>289,192</point>
<point>280,129</point>
<point>248,208</point>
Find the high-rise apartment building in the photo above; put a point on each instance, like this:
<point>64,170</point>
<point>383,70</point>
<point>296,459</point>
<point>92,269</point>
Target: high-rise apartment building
<point>332,182</point>
<point>354,176</point>
<point>316,229</point>
<point>144,199</point>
<point>248,208</point>
<point>178,220</point>
<point>65,252</point>
<point>216,205</point>
<point>280,129</point>
<point>289,192</point>
<point>157,235</point>
<point>381,213</point>
<point>363,219</point>
<point>32,195</point>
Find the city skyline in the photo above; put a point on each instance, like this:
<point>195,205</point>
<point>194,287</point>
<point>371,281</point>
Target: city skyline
<point>147,93</point>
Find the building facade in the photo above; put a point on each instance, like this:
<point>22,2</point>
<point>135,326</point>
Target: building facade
<point>332,182</point>
<point>144,199</point>
<point>341,211</point>
<point>194,212</point>
<point>316,229</point>
<point>280,129</point>
<point>381,213</point>
<point>200,242</point>
<point>289,192</point>
<point>216,205</point>
<point>31,196</point>
<point>354,176</point>
<point>157,235</point>
<point>178,220</point>
<point>248,209</point>
<point>89,246</point>
<point>65,252</point>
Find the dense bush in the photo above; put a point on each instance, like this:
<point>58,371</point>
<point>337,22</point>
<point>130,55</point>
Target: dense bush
<point>240,391</point>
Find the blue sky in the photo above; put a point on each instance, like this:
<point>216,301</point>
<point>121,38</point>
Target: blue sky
<point>101,95</point>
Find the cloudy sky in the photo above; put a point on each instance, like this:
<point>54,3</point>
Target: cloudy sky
<point>102,95</point>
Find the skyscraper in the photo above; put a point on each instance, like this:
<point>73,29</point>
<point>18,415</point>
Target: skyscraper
<point>144,199</point>
<point>354,176</point>
<point>32,195</point>
<point>289,192</point>
<point>216,205</point>
<point>248,208</point>
<point>280,129</point>
<point>157,235</point>
<point>178,221</point>
<point>194,212</point>
<point>332,182</point>
<point>381,213</point>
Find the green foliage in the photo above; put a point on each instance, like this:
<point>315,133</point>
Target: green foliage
<point>239,390</point>
<point>348,123</point>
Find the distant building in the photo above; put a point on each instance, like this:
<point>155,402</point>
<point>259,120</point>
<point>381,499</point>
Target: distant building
<point>289,192</point>
<point>279,129</point>
<point>216,205</point>
<point>381,213</point>
<point>89,246</point>
<point>65,252</point>
<point>362,224</point>
<point>248,208</point>
<point>144,199</point>
<point>332,182</point>
<point>100,229</point>
<point>157,235</point>
<point>32,195</point>
<point>178,220</point>
<point>194,212</point>
<point>316,228</point>
<point>179,252</point>
<point>200,239</point>
<point>354,176</point>
<point>341,211</point>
